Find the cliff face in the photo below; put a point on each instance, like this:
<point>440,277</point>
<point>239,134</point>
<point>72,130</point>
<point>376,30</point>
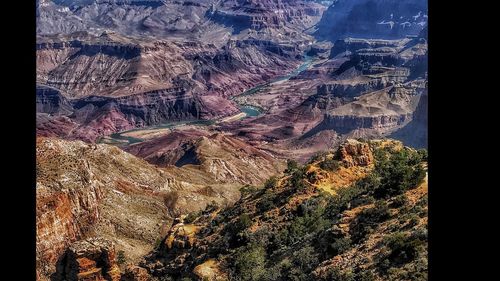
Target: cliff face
<point>90,259</point>
<point>51,101</point>
<point>92,117</point>
<point>103,65</point>
<point>375,90</point>
<point>81,190</point>
<point>113,65</point>
<point>415,133</point>
<point>346,124</point>
<point>380,112</point>
<point>86,191</point>
<point>263,14</point>
<point>57,214</point>
<point>385,19</point>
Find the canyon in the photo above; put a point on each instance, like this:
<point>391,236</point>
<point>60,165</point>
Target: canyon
<point>154,117</point>
<point>98,190</point>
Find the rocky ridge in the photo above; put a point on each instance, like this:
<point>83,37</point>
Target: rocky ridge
<point>292,229</point>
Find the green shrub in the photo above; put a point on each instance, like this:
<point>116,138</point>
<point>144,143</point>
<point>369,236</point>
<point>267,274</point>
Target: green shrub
<point>413,220</point>
<point>243,222</point>
<point>271,183</point>
<point>310,218</point>
<point>330,165</point>
<point>291,166</point>
<point>423,201</point>
<point>345,197</point>
<point>266,202</point>
<point>250,261</point>
<point>403,247</point>
<point>306,259</point>
<point>368,219</point>
<point>339,246</point>
<point>397,172</point>
<point>247,190</point>
<point>212,206</point>
<point>319,156</point>
<point>335,274</point>
<point>399,201</point>
<point>120,257</point>
<point>423,154</point>
<point>312,177</point>
<point>158,243</point>
<point>366,276</point>
<point>297,180</point>
<point>191,217</point>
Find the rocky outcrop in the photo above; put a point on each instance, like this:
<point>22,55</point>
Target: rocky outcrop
<point>384,78</point>
<point>210,270</point>
<point>367,53</point>
<point>136,273</point>
<point>52,18</point>
<point>90,259</point>
<point>63,216</point>
<point>165,150</point>
<point>180,236</point>
<point>387,19</point>
<point>355,153</point>
<point>320,49</point>
<point>352,45</point>
<point>150,108</point>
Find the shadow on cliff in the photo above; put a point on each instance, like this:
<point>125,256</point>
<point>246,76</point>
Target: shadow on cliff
<point>414,134</point>
<point>61,274</point>
<point>189,157</point>
<point>324,126</point>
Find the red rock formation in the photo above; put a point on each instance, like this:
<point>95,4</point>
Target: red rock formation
<point>62,217</point>
<point>74,183</point>
<point>355,153</point>
<point>92,259</point>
